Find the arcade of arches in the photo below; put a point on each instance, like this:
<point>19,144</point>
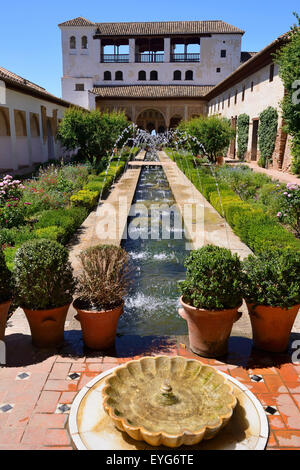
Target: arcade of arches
<point>158,115</point>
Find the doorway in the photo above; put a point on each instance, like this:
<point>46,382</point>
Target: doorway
<point>254,139</point>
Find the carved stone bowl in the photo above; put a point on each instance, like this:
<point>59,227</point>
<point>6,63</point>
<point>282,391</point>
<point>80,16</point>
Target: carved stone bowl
<point>170,401</point>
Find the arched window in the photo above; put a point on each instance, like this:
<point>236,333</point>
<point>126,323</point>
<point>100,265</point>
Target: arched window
<point>153,75</point>
<point>107,75</point>
<point>84,42</point>
<point>119,75</point>
<point>177,75</point>
<point>72,42</point>
<point>142,75</point>
<point>189,75</point>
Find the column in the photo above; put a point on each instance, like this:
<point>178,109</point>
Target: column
<point>13,139</point>
<point>28,132</point>
<point>167,50</point>
<point>43,147</point>
<point>132,50</point>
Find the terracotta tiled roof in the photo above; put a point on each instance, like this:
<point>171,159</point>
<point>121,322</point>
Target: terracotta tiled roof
<point>6,74</point>
<point>15,81</point>
<point>80,21</point>
<point>246,56</point>
<point>152,91</point>
<point>157,28</point>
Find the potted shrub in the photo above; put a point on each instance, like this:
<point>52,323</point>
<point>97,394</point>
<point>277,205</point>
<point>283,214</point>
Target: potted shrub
<point>102,284</point>
<point>211,297</point>
<point>5,294</point>
<point>44,286</point>
<point>272,292</point>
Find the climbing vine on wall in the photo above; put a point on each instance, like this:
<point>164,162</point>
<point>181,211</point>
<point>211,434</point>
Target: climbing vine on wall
<point>288,59</point>
<point>242,134</point>
<point>267,130</point>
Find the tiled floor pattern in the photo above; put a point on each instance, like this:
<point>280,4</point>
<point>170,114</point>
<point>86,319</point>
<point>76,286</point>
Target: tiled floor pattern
<point>37,387</point>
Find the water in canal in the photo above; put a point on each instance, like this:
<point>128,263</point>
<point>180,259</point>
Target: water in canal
<point>152,303</point>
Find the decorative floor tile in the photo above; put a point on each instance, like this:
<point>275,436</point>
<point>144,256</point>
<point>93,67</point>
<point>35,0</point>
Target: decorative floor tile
<point>74,376</point>
<point>62,408</point>
<point>23,376</point>
<point>271,410</point>
<point>6,408</point>
<point>256,378</point>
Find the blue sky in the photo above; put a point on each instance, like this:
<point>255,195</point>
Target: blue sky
<point>30,38</point>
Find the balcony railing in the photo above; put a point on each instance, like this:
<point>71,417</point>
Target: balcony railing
<point>115,58</point>
<point>149,57</point>
<point>185,57</point>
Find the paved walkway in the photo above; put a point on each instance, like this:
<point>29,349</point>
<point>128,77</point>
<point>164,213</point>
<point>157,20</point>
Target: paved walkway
<point>37,388</point>
<point>274,174</point>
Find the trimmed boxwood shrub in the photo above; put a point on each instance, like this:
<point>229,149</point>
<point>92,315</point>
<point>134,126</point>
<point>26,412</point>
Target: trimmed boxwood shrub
<point>66,219</point>
<point>43,275</point>
<point>250,222</point>
<point>5,280</point>
<point>213,279</point>
<point>51,233</point>
<point>272,278</point>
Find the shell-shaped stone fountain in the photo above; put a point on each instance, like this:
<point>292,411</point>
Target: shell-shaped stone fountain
<point>170,401</point>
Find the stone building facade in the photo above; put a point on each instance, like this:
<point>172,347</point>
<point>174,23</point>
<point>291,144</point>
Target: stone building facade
<point>148,67</point>
<point>250,89</point>
<point>29,116</point>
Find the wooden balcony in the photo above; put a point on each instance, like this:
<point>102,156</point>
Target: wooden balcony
<point>189,57</point>
<point>115,58</point>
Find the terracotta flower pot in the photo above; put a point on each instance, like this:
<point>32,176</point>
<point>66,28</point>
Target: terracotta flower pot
<point>98,328</point>
<point>47,326</point>
<point>209,330</point>
<point>272,326</point>
<point>4,308</point>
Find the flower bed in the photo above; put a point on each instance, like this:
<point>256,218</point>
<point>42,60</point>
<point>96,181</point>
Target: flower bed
<point>54,204</point>
<point>250,221</point>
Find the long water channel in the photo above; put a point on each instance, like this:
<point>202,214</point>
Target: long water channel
<point>157,261</point>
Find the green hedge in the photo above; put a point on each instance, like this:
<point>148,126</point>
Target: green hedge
<point>255,228</point>
<point>60,224</point>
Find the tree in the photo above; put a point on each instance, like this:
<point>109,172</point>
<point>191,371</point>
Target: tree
<point>214,133</point>
<point>93,133</point>
<point>288,59</point>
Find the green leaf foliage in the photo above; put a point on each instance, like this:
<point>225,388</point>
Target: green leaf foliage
<point>213,279</point>
<point>272,278</point>
<point>5,280</point>
<point>288,59</point>
<point>267,130</point>
<point>213,132</point>
<point>93,133</point>
<point>43,275</point>
<point>242,134</point>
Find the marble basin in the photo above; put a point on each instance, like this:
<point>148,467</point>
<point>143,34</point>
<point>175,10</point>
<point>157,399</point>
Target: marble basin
<point>170,401</point>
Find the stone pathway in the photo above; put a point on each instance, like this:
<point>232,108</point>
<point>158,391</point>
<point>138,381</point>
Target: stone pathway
<point>214,228</point>
<point>37,388</point>
<point>274,174</point>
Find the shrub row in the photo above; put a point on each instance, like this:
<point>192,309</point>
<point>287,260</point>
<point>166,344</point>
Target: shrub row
<point>255,228</point>
<point>100,184</point>
<point>61,223</point>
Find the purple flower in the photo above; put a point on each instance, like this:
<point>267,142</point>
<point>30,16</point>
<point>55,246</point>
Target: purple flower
<point>279,214</point>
